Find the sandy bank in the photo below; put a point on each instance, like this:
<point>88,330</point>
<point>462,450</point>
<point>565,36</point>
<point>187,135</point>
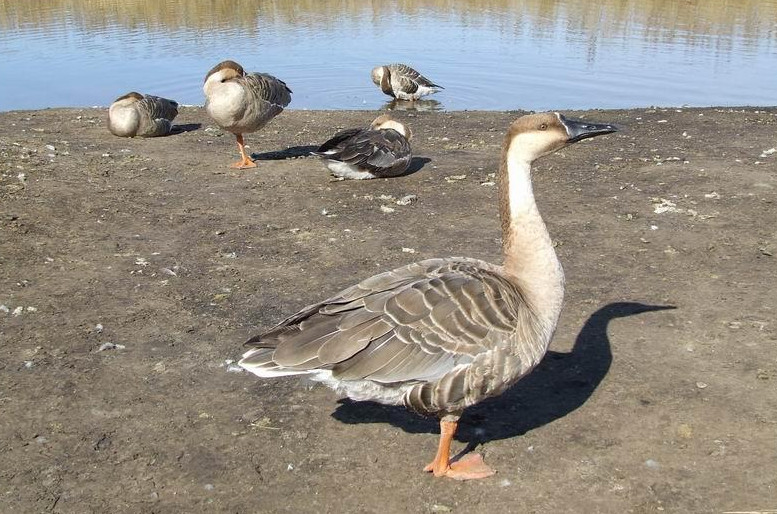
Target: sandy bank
<point>157,248</point>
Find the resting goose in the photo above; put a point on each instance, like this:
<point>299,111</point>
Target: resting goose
<point>403,82</point>
<point>440,335</point>
<point>141,115</point>
<point>380,151</point>
<point>241,102</point>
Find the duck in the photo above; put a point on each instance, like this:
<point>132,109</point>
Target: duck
<point>380,151</point>
<point>442,334</point>
<point>403,82</point>
<point>140,115</point>
<point>241,102</point>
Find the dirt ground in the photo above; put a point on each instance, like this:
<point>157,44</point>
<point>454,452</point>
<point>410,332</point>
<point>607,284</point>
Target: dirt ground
<point>132,270</point>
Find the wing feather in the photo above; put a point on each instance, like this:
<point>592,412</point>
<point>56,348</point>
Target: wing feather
<point>411,75</point>
<point>406,83</point>
<point>160,108</point>
<point>333,144</point>
<point>269,89</point>
<point>347,343</point>
<point>157,115</point>
<point>301,345</point>
<point>384,152</point>
<point>413,324</point>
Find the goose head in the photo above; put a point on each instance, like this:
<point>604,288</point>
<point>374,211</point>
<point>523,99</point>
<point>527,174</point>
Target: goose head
<point>377,74</point>
<point>386,121</point>
<point>221,73</point>
<point>534,135</point>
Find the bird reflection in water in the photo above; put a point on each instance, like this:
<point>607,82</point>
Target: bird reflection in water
<point>427,105</point>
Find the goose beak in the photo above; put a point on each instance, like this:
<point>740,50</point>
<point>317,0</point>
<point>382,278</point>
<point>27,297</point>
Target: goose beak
<point>579,130</point>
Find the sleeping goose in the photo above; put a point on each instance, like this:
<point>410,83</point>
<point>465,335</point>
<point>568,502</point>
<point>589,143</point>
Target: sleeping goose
<point>241,102</point>
<point>440,335</point>
<point>141,115</point>
<point>403,82</point>
<point>380,151</point>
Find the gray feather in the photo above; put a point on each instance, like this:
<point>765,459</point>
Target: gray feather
<point>424,324</point>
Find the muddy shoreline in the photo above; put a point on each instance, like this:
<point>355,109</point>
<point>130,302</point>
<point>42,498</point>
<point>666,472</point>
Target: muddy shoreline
<point>131,270</point>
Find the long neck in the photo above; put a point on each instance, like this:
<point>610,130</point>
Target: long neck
<point>529,256</point>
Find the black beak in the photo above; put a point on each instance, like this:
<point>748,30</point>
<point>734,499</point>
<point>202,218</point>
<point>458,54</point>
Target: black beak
<point>579,130</point>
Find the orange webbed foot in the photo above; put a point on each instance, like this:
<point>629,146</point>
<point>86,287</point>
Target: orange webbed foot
<point>469,467</point>
<point>243,164</point>
<point>245,161</point>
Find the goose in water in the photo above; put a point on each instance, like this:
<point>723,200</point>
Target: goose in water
<point>440,335</point>
<point>241,102</point>
<point>141,115</point>
<point>380,151</point>
<point>403,82</point>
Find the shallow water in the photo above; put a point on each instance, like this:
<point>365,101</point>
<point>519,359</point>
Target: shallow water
<point>489,54</point>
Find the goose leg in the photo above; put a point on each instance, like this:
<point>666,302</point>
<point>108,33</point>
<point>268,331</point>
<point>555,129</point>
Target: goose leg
<point>469,467</point>
<point>245,161</point>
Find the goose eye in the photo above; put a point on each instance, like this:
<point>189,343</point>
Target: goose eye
<point>544,126</point>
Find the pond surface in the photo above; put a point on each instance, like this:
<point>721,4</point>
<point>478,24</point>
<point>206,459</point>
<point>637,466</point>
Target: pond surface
<point>489,54</point>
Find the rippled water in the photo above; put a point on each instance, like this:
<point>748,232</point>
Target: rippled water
<point>489,54</point>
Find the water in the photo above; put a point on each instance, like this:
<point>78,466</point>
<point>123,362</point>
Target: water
<point>489,54</point>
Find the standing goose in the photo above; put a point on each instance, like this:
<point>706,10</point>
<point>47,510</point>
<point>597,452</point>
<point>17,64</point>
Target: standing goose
<point>137,115</point>
<point>403,82</point>
<point>440,335</point>
<point>241,102</point>
<point>380,151</point>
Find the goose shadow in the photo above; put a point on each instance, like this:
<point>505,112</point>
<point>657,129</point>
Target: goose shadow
<point>291,152</point>
<point>560,384</point>
<point>186,127</point>
<point>416,163</point>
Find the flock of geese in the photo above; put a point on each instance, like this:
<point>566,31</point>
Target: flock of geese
<point>436,336</point>
<point>241,103</point>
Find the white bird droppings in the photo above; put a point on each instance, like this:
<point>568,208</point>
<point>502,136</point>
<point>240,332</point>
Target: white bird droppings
<point>110,346</point>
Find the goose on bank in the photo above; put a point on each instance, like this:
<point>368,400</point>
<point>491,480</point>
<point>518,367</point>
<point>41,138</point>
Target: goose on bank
<point>241,102</point>
<point>403,82</point>
<point>380,151</point>
<point>440,335</point>
<point>140,115</point>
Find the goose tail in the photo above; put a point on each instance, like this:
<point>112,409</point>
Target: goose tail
<point>259,362</point>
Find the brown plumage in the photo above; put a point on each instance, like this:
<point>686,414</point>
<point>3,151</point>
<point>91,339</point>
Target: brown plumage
<point>241,102</point>
<point>442,334</point>
<point>139,115</point>
<point>402,82</point>
<point>380,151</point>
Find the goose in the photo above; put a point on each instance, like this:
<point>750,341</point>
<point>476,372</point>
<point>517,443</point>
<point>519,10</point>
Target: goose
<point>241,102</point>
<point>135,114</point>
<point>440,335</point>
<point>403,82</point>
<point>382,150</point>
